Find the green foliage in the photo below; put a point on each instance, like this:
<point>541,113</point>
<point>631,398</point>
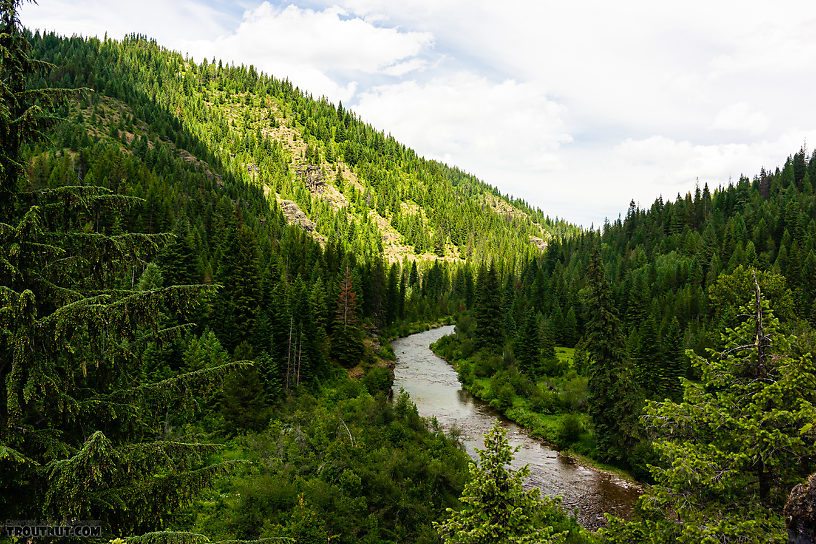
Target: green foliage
<point>570,430</point>
<point>339,463</point>
<point>84,432</point>
<point>487,310</point>
<point>496,507</point>
<point>347,344</point>
<point>613,402</point>
<point>732,450</point>
<point>527,344</point>
<point>378,380</point>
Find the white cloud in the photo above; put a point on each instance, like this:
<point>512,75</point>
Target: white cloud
<point>326,40</point>
<point>316,49</point>
<point>739,117</point>
<point>167,22</point>
<point>467,120</point>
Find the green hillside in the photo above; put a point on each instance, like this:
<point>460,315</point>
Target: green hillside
<point>329,172</point>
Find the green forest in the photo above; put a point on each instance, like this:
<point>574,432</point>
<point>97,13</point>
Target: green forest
<point>202,268</point>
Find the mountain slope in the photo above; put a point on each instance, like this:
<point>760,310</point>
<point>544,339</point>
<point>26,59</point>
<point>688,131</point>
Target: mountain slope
<point>329,172</point>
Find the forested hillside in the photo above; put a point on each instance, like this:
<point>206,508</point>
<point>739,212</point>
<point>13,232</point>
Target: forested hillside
<point>339,178</point>
<point>169,309</point>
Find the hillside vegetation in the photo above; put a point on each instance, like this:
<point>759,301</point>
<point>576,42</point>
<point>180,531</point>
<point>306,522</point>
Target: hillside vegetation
<point>339,178</point>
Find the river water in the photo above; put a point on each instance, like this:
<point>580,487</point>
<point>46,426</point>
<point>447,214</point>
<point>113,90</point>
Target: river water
<point>435,389</point>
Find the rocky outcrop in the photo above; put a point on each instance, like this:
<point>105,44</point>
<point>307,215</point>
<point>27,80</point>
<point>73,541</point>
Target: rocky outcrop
<point>312,176</point>
<point>295,216</point>
<point>800,513</point>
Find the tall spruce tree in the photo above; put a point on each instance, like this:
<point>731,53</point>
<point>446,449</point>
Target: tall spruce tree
<point>527,345</point>
<point>613,399</point>
<point>347,343</point>
<point>82,435</point>
<point>487,309</point>
<point>497,508</point>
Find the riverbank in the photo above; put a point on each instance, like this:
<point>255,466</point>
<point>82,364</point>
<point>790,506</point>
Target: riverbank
<point>434,387</point>
<point>568,433</point>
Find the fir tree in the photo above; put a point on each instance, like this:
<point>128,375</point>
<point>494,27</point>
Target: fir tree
<point>82,435</point>
<point>526,348</point>
<point>613,402</point>
<point>346,343</point>
<point>487,310</point>
<point>497,508</point>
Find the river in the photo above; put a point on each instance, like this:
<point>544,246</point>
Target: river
<point>435,389</point>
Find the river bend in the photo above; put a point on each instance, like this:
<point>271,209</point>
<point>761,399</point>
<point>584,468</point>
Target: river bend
<point>435,389</point>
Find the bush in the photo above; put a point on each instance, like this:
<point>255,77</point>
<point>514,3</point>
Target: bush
<point>570,430</point>
<point>378,380</point>
<point>552,366</point>
<point>486,365</point>
<point>545,402</point>
<point>387,352</point>
<point>465,371</point>
<point>502,392</point>
<point>573,395</point>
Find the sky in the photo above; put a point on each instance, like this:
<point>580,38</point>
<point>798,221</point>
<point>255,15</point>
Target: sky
<point>576,107</point>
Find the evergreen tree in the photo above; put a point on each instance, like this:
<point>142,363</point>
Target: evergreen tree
<point>178,261</point>
<point>238,302</point>
<point>392,294</point>
<point>244,400</point>
<point>82,434</point>
<point>613,401</point>
<point>497,508</point>
<point>673,367</point>
<point>649,360</point>
<point>487,310</point>
<point>570,328</point>
<point>526,348</point>
<point>347,344</point>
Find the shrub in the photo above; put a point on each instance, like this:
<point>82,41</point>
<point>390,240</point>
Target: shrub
<point>378,380</point>
<point>570,430</point>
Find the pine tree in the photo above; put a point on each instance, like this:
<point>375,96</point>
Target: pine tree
<point>526,348</point>
<point>570,328</point>
<point>497,508</point>
<point>649,360</point>
<point>244,399</point>
<point>673,367</point>
<point>238,301</point>
<point>392,294</point>
<point>346,342</point>
<point>613,401</point>
<point>487,310</point>
<point>178,261</point>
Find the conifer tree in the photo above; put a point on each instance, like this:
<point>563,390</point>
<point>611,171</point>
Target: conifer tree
<point>673,368</point>
<point>526,348</point>
<point>487,310</point>
<point>497,508</point>
<point>346,343</point>
<point>613,401</point>
<point>570,328</point>
<point>82,435</point>
<point>178,261</point>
